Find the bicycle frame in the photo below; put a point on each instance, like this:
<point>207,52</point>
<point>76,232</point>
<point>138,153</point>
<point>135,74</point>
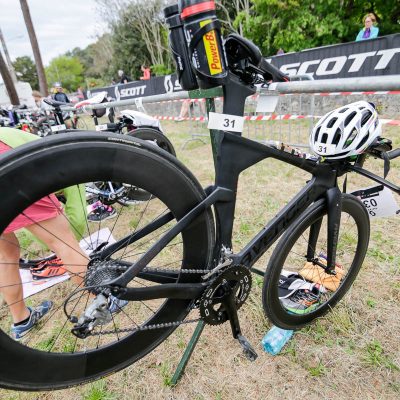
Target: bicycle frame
<point>233,155</point>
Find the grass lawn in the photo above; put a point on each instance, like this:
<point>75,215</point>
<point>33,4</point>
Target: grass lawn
<point>352,352</point>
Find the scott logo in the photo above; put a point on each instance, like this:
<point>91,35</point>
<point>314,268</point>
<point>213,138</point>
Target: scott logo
<point>133,91</point>
<point>335,65</point>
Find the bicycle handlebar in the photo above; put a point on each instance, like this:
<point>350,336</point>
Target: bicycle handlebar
<point>274,72</point>
<point>393,154</point>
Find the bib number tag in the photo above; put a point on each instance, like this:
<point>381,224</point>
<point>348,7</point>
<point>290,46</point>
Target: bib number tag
<point>379,201</point>
<point>225,122</point>
<point>58,128</point>
<point>102,127</point>
<point>324,148</point>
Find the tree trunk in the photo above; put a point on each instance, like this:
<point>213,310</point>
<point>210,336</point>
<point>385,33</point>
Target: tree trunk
<point>8,59</point>
<point>8,82</point>
<point>35,47</point>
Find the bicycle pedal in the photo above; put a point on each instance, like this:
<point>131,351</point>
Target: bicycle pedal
<point>248,350</point>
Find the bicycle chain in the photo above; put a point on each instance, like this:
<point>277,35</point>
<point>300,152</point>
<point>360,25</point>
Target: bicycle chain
<point>156,326</point>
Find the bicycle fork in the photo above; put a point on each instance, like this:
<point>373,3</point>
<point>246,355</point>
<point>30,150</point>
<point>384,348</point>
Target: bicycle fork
<point>334,208</point>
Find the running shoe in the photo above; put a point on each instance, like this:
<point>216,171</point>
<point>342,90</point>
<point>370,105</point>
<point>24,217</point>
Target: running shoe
<point>19,331</point>
<point>101,213</point>
<point>48,269</point>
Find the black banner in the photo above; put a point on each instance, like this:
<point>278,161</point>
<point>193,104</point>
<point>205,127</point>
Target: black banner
<point>158,85</point>
<point>373,57</point>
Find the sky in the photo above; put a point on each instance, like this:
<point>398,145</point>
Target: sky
<point>60,26</point>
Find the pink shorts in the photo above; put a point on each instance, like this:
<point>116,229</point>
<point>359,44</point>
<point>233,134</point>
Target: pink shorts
<point>44,209</point>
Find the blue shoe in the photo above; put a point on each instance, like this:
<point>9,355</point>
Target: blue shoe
<point>115,305</point>
<point>18,332</point>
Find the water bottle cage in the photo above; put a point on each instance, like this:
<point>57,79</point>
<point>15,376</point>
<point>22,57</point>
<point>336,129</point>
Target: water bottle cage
<point>197,37</point>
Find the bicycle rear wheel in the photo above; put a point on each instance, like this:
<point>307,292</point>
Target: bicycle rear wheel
<point>50,356</point>
<point>296,290</point>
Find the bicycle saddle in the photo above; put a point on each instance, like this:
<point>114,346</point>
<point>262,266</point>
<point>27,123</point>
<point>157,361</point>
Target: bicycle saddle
<point>55,103</point>
<point>96,99</point>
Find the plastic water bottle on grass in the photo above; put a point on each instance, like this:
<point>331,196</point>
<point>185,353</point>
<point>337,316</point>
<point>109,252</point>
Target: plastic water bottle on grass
<point>275,339</point>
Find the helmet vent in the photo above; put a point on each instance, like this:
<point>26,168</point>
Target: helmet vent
<point>349,118</point>
<point>350,138</point>
<point>337,137</point>
<point>366,118</point>
<point>324,138</point>
<point>343,110</point>
<point>364,139</point>
<point>331,122</point>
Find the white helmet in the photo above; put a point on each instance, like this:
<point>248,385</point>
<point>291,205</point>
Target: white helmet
<point>346,131</point>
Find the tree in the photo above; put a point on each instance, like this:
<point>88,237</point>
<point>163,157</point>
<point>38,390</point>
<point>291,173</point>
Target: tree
<point>26,71</point>
<point>66,70</point>
<point>8,82</point>
<point>300,24</point>
<point>35,47</point>
<point>139,35</point>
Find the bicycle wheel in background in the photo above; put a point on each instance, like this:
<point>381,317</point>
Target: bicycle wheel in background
<point>50,356</point>
<point>296,288</point>
<point>154,136</point>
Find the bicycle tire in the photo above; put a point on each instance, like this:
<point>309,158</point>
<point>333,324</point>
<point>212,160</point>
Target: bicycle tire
<point>154,135</point>
<point>128,160</point>
<point>290,253</point>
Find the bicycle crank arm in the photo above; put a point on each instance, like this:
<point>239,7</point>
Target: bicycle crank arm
<point>182,291</point>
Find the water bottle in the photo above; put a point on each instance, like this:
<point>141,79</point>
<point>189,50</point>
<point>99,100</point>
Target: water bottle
<point>203,36</point>
<point>180,51</point>
<point>275,339</point>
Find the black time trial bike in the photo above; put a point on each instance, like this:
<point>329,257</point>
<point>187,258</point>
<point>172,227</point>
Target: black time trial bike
<point>172,255</point>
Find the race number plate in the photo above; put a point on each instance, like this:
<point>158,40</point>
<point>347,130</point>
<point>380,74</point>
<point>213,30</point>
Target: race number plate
<point>379,201</point>
<point>58,128</point>
<point>102,127</point>
<point>225,122</point>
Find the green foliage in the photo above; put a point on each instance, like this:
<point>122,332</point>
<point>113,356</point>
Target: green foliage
<point>67,70</point>
<point>375,356</point>
<point>300,24</point>
<point>25,70</point>
<point>98,391</point>
<point>160,70</point>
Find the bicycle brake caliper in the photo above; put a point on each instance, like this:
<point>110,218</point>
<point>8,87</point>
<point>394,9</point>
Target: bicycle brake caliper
<point>96,314</point>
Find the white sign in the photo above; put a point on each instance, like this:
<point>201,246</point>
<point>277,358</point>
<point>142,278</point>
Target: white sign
<point>267,104</point>
<point>58,128</point>
<point>379,201</point>
<point>225,122</point>
<point>102,127</point>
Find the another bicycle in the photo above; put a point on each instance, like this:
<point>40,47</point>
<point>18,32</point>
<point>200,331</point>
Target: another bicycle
<point>172,255</point>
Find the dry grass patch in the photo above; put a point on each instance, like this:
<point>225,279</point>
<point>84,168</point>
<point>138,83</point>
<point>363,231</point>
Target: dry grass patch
<point>353,352</point>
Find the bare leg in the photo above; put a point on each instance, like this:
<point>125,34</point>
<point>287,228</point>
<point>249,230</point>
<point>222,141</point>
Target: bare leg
<point>10,280</point>
<point>56,233</point>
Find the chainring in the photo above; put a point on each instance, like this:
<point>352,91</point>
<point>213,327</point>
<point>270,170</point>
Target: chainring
<point>211,306</point>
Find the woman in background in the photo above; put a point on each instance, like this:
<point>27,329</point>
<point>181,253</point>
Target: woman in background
<point>370,31</point>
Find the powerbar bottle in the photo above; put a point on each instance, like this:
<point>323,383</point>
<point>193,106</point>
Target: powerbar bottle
<point>203,35</point>
<point>180,51</point>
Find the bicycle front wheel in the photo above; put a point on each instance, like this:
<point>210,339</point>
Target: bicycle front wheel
<point>296,287</point>
<point>51,355</point>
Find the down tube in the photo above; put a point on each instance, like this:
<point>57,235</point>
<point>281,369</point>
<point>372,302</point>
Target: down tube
<point>273,230</point>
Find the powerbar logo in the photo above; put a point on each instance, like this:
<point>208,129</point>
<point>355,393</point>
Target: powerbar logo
<point>335,65</point>
<point>212,52</point>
